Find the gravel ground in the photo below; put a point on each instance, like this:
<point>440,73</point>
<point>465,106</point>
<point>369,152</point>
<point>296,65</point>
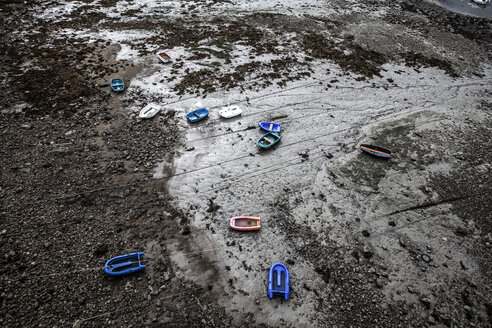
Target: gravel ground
<point>398,243</point>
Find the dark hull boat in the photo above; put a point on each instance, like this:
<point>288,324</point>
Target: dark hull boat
<point>376,151</point>
<point>117,85</point>
<point>124,264</point>
<point>278,281</point>
<point>269,140</point>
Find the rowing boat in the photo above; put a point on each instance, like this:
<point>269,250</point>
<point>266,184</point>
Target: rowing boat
<point>376,151</point>
<point>245,223</point>
<point>149,111</point>
<point>278,281</point>
<point>269,140</point>
<point>124,264</point>
<point>197,115</point>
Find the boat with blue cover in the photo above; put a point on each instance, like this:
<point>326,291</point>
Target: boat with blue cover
<point>197,115</point>
<point>376,151</point>
<point>124,264</point>
<point>269,140</point>
<point>117,85</point>
<point>270,126</point>
<point>278,281</point>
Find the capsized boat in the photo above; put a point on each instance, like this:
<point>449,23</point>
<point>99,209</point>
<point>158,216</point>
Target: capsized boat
<point>376,151</point>
<point>278,281</point>
<point>149,111</point>
<point>270,126</point>
<point>269,140</point>
<point>230,111</point>
<point>245,223</point>
<point>117,85</point>
<point>164,57</point>
<point>124,264</point>
<point>197,115</point>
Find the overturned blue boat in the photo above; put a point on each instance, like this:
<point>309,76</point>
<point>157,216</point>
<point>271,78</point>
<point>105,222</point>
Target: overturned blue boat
<point>197,115</point>
<point>124,264</point>
<point>270,126</point>
<point>278,281</point>
<point>117,85</point>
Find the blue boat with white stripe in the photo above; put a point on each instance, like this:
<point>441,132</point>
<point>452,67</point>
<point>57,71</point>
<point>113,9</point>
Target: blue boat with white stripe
<point>124,264</point>
<point>278,281</point>
<point>118,85</point>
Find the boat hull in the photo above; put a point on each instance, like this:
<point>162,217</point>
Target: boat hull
<point>376,151</point>
<point>149,111</point>
<point>197,115</point>
<point>278,281</point>
<point>118,85</point>
<point>269,140</point>
<point>270,126</point>
<point>164,57</point>
<point>230,111</point>
<point>124,264</point>
<point>245,223</point>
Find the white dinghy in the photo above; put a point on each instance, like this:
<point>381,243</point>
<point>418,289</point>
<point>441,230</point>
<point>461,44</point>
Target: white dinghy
<point>230,111</point>
<point>149,111</point>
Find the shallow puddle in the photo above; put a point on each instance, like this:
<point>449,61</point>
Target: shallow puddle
<point>468,7</point>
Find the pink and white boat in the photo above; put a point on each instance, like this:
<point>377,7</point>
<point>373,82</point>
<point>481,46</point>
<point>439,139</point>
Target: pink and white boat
<point>245,223</point>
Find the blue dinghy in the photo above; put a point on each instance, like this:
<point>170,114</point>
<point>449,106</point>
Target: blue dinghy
<point>269,126</point>
<point>124,264</point>
<point>278,280</point>
<point>197,115</point>
<point>117,85</point>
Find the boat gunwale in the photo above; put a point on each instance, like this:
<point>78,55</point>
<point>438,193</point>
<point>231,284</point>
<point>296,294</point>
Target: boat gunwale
<point>253,218</point>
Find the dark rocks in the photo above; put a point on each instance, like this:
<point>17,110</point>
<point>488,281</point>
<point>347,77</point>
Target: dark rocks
<point>367,251</point>
<point>426,301</point>
<point>425,258</point>
<point>404,241</point>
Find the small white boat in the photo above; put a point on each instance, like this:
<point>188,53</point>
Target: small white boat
<point>230,111</point>
<point>149,111</point>
<point>164,57</point>
<point>481,2</point>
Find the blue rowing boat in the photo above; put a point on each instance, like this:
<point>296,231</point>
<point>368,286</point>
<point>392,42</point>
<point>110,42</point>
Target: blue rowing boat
<point>278,281</point>
<point>269,140</point>
<point>117,85</point>
<point>124,264</point>
<point>376,151</point>
<point>197,115</point>
<point>270,126</point>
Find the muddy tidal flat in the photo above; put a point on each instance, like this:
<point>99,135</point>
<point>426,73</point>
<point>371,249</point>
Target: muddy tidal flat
<point>369,242</point>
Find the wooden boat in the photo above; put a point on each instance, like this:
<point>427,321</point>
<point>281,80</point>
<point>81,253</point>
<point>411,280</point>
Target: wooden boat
<point>164,57</point>
<point>269,140</point>
<point>230,111</point>
<point>278,281</point>
<point>124,264</point>
<point>197,115</point>
<point>149,111</point>
<point>245,223</point>
<point>376,151</point>
<point>117,85</point>
<point>270,126</point>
